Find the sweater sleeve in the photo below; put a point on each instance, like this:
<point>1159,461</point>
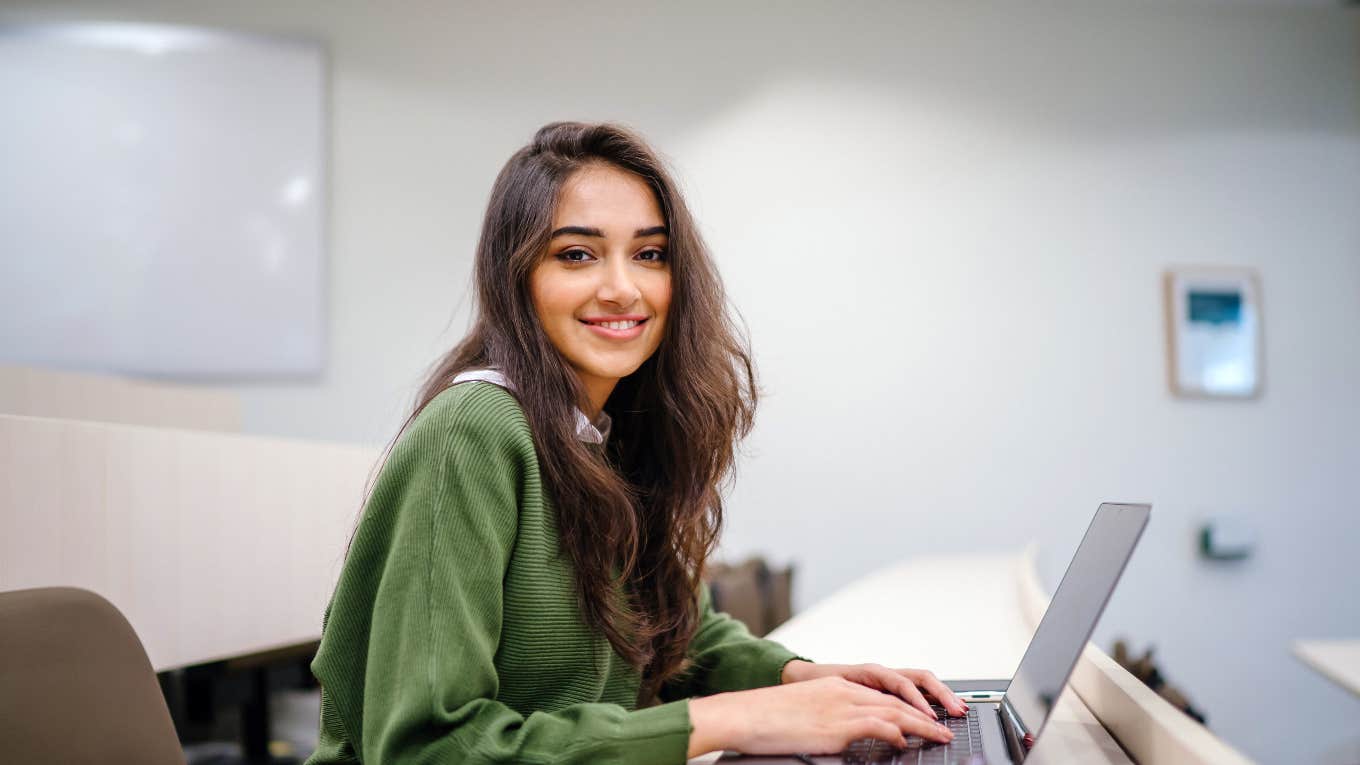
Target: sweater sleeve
<point>726,657</point>
<point>408,654</point>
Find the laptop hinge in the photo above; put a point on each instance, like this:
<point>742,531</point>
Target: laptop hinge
<point>1017,740</point>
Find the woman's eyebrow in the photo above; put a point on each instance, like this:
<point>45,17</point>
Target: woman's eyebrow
<point>589,231</point>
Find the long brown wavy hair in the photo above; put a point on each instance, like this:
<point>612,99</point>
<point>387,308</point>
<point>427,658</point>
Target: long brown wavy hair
<point>639,518</point>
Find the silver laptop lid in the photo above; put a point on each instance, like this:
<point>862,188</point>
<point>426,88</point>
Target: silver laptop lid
<point>1072,615</point>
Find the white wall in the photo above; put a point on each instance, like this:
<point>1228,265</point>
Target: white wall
<point>945,224</point>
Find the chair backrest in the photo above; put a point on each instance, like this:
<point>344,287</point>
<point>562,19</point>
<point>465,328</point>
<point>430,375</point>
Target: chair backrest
<point>752,593</point>
<point>76,686</point>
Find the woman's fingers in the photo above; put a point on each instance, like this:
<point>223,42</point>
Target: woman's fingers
<point>876,727</point>
<point>821,715</point>
<point>946,697</point>
<point>868,696</point>
<point>910,724</point>
<point>917,687</point>
<point>903,686</point>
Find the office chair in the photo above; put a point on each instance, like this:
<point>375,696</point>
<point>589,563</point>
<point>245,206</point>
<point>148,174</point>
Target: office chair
<point>76,686</point>
<point>751,592</point>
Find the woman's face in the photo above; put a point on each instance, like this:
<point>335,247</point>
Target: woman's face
<point>603,289</point>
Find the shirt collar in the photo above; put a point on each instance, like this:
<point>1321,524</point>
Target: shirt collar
<point>592,432</point>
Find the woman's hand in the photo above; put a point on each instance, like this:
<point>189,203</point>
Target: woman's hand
<point>820,716</point>
<point>906,683</point>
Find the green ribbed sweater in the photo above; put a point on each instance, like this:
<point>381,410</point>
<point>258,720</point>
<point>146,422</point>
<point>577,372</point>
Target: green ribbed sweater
<point>455,634</point>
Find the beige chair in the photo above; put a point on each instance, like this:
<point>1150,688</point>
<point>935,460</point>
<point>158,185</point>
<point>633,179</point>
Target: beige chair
<point>752,593</point>
<point>76,686</point>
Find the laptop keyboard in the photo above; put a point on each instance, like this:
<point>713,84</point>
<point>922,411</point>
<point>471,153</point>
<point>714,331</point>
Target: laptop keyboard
<point>965,749</point>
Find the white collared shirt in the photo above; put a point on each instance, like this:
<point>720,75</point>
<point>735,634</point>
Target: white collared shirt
<point>596,432</point>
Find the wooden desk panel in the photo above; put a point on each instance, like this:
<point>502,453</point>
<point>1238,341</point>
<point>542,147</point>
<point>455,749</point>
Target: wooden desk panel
<point>1336,660</point>
<point>212,544</point>
<point>35,392</point>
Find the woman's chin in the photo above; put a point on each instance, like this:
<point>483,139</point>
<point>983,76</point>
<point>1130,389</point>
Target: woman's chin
<point>610,369</point>
<point>614,372</point>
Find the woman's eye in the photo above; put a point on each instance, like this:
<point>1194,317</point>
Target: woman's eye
<point>655,256</point>
<point>574,256</point>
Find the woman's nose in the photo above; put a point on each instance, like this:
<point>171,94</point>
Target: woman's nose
<point>618,286</point>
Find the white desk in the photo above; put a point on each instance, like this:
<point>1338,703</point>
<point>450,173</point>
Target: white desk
<point>962,618</point>
<point>971,617</point>
<point>1336,660</point>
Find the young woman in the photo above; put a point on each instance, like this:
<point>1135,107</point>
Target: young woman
<point>524,583</point>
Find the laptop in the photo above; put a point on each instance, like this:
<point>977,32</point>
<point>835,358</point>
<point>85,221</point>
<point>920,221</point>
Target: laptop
<point>1006,717</point>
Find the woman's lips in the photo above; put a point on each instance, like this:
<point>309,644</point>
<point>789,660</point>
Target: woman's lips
<point>624,328</point>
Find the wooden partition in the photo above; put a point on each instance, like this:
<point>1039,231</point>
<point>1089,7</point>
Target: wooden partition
<point>108,398</point>
<point>213,544</point>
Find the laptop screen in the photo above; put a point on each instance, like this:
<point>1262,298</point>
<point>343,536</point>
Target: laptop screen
<point>1072,614</point>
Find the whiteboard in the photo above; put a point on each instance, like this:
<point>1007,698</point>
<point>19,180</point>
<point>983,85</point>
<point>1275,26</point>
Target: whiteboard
<point>162,201</point>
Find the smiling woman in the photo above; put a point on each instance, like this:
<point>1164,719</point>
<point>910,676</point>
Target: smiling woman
<point>602,293</point>
<point>524,585</point>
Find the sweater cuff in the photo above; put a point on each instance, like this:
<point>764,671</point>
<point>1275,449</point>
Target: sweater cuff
<point>779,674</point>
<point>658,734</point>
<point>780,657</point>
<point>755,663</point>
